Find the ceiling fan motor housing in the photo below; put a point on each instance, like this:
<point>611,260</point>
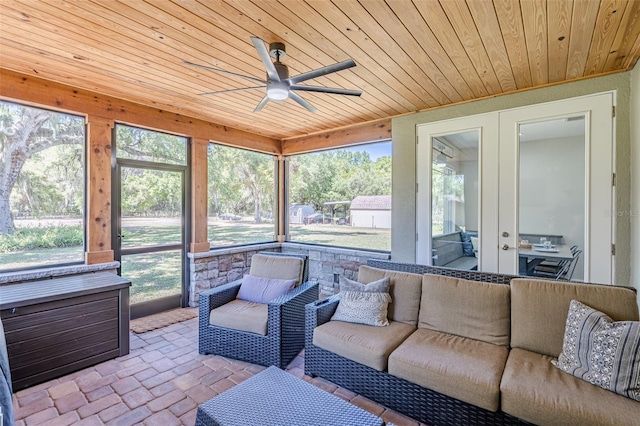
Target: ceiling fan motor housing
<point>282,69</point>
<point>277,50</point>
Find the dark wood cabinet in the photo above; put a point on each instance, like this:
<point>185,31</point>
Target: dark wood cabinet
<point>60,325</point>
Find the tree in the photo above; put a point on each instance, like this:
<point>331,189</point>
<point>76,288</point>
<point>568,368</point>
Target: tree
<point>240,181</point>
<point>25,132</point>
<point>337,175</point>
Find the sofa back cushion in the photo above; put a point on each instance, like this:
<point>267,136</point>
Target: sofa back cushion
<point>539,310</point>
<point>472,309</point>
<point>280,267</point>
<point>404,291</point>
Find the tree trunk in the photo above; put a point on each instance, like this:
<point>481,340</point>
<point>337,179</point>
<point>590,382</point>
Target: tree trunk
<point>256,204</point>
<point>19,145</point>
<point>6,222</point>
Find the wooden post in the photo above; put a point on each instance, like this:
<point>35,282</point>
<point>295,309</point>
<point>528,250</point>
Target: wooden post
<point>98,225</point>
<point>199,183</point>
<point>282,200</point>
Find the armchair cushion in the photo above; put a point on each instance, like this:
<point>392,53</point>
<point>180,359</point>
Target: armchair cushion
<point>262,290</point>
<point>241,315</point>
<point>279,267</point>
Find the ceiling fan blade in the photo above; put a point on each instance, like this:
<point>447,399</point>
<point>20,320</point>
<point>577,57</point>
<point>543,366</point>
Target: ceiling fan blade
<point>265,58</point>
<point>256,80</point>
<point>332,90</point>
<point>262,103</point>
<point>302,102</point>
<point>241,89</point>
<point>323,71</point>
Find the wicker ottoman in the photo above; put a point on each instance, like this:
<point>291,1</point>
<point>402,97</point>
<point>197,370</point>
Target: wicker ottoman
<point>274,397</point>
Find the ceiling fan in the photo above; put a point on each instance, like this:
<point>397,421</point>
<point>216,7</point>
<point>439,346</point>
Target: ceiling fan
<point>278,83</point>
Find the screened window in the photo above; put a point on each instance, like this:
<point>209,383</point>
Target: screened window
<point>342,197</point>
<point>41,187</point>
<point>241,198</point>
<point>135,143</point>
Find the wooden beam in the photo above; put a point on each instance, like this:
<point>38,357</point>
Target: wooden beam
<point>98,224</point>
<point>24,88</point>
<point>282,200</point>
<point>199,182</point>
<point>373,131</point>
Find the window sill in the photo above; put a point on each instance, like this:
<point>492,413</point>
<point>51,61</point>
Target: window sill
<point>50,272</point>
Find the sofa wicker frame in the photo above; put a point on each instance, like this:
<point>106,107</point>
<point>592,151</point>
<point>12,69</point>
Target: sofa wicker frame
<point>285,324</point>
<point>408,398</point>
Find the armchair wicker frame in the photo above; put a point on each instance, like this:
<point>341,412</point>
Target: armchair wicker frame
<point>405,397</point>
<point>285,327</point>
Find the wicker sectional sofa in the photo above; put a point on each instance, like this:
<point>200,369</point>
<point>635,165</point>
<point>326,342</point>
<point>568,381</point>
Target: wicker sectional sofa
<point>466,347</point>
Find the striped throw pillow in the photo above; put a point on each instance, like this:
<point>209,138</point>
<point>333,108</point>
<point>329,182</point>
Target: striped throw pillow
<point>600,351</point>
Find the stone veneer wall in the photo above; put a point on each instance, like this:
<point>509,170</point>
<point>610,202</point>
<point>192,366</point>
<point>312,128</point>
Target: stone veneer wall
<point>327,264</point>
<point>217,267</point>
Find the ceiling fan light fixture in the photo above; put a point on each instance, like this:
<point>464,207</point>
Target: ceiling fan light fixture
<point>277,93</point>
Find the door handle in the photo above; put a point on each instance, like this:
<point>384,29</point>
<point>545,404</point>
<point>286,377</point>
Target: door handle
<point>505,247</point>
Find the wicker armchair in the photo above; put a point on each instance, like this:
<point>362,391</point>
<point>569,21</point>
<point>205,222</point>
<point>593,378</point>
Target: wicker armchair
<point>284,337</point>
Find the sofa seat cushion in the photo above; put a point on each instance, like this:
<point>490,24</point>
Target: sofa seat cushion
<point>366,344</point>
<point>534,390</point>
<point>405,292</point>
<point>459,367</point>
<point>241,315</point>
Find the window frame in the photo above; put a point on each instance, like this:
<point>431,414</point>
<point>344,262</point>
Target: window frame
<point>287,197</point>
<point>275,196</point>
<point>85,189</point>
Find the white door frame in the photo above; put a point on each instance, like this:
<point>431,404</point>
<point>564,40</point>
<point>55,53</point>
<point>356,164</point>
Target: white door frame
<point>498,181</point>
<point>599,156</point>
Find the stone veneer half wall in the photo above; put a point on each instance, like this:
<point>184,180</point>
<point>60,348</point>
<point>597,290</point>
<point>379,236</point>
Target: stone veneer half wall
<point>217,267</point>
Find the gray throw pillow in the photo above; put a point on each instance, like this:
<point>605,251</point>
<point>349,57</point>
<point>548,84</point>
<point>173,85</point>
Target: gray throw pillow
<point>363,303</point>
<point>600,351</point>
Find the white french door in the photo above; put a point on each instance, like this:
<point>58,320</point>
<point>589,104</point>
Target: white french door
<point>542,170</point>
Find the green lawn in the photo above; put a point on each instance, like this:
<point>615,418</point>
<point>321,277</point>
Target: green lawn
<point>158,274</point>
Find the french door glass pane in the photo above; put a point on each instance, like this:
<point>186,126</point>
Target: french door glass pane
<point>552,191</point>
<point>454,200</point>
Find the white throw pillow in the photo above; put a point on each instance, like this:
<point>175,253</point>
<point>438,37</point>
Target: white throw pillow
<point>363,303</point>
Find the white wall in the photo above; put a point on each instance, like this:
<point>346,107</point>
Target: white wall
<point>635,178</point>
<point>371,218</point>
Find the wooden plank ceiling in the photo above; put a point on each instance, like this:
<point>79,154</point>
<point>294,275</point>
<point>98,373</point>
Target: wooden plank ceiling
<point>410,55</point>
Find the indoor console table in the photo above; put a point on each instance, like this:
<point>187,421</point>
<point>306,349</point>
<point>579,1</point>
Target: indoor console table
<point>63,324</point>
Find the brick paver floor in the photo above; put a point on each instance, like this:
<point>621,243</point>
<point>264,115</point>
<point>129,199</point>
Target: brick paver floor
<point>160,382</point>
